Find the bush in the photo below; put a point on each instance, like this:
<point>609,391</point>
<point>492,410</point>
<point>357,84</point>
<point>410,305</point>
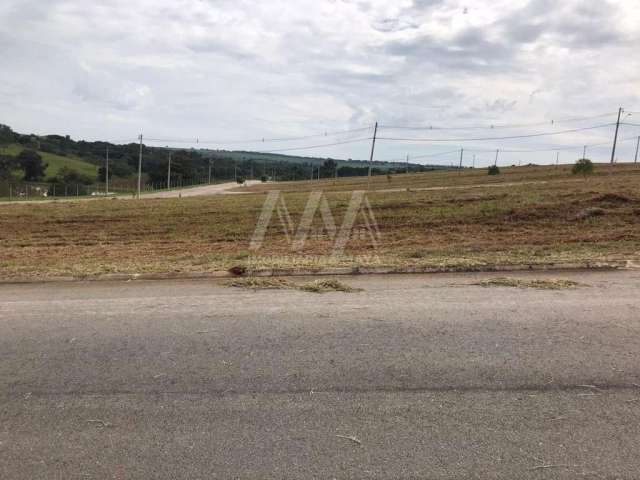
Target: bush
<point>8,165</point>
<point>494,170</point>
<point>263,179</point>
<point>584,166</point>
<point>32,165</point>
<point>70,176</point>
<point>240,180</point>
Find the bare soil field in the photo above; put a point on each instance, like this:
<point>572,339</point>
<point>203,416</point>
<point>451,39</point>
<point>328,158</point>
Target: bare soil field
<point>539,215</point>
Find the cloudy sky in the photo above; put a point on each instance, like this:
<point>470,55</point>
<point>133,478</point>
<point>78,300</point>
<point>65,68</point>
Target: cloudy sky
<point>227,71</point>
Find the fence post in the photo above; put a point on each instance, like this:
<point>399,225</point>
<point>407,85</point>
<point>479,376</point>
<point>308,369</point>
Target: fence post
<point>65,189</point>
<point>54,189</point>
<point>77,191</point>
<point>10,192</point>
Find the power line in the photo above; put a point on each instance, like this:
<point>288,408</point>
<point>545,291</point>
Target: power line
<point>499,126</point>
<point>310,147</point>
<point>479,139</point>
<point>261,140</point>
<point>492,150</point>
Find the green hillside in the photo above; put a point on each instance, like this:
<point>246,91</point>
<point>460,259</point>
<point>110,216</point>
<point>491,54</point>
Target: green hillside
<point>276,157</point>
<point>56,162</point>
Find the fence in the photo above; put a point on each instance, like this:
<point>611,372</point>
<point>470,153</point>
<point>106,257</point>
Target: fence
<point>22,191</point>
<point>15,191</point>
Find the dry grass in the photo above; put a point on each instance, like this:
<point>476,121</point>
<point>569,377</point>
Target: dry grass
<point>468,226</point>
<point>448,178</point>
<point>326,285</point>
<point>545,284</point>
<point>271,283</point>
<point>261,283</point>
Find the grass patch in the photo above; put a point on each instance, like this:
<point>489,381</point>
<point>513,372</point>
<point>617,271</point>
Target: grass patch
<point>326,285</point>
<point>261,283</point>
<point>274,283</point>
<point>550,284</point>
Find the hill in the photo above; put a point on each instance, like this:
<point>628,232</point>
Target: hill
<point>56,162</point>
<point>188,166</point>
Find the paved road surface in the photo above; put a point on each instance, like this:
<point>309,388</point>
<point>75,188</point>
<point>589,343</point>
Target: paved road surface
<point>215,189</point>
<point>434,378</point>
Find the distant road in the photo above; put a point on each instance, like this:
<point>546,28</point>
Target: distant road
<point>215,189</point>
<point>413,377</point>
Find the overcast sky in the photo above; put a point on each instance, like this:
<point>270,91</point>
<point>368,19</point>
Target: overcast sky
<point>233,70</point>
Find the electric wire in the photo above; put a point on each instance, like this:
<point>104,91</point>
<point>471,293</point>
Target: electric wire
<point>480,139</point>
<point>498,126</point>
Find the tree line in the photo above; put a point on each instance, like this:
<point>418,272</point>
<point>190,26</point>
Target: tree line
<point>187,165</point>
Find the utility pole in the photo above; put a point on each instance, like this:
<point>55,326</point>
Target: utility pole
<point>460,167</point>
<point>106,171</point>
<point>584,152</point>
<point>140,168</point>
<point>615,136</point>
<point>373,147</point>
<point>407,163</point>
<point>557,159</point>
<point>312,172</point>
<point>235,171</point>
<point>209,170</point>
<point>169,173</point>
<point>474,160</point>
<point>637,146</point>
<point>496,162</point>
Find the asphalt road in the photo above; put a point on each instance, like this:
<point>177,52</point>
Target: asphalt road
<point>415,377</point>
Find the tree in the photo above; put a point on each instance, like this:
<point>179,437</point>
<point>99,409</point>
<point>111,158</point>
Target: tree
<point>584,167</point>
<point>32,165</point>
<point>494,170</point>
<point>6,135</point>
<point>329,168</point>
<point>7,165</point>
<point>70,176</point>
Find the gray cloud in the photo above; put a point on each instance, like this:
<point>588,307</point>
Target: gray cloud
<point>235,69</point>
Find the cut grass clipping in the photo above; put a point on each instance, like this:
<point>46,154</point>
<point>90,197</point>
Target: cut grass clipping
<point>328,285</point>
<point>552,284</point>
<point>257,283</point>
<point>317,286</point>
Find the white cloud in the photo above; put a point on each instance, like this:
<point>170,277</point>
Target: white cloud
<point>252,69</point>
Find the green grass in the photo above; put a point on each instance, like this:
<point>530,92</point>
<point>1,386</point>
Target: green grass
<point>56,162</point>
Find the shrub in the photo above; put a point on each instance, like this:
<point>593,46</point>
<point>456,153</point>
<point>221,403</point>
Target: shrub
<point>494,170</point>
<point>32,165</point>
<point>263,179</point>
<point>584,166</point>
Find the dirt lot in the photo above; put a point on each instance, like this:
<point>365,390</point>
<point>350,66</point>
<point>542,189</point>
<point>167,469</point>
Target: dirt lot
<point>537,215</point>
